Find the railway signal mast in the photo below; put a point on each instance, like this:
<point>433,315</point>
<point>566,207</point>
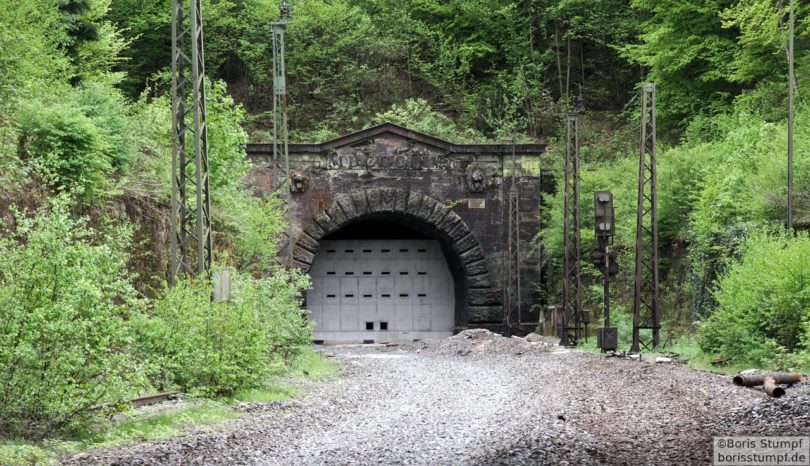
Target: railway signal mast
<point>191,243</point>
<point>281,158</point>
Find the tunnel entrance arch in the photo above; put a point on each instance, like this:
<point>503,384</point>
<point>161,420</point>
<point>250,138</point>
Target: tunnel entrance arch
<point>394,242</point>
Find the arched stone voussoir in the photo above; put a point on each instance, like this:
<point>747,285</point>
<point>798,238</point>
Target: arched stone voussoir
<point>414,201</point>
<point>440,211</point>
<point>307,242</point>
<point>360,202</point>
<point>426,208</point>
<point>346,206</point>
<point>449,222</point>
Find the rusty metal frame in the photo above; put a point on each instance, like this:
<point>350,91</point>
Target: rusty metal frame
<point>571,329</point>
<point>191,242</point>
<point>646,297</point>
<point>281,157</point>
<point>513,304</point>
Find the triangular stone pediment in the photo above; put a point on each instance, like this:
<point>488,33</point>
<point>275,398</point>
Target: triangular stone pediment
<point>389,133</point>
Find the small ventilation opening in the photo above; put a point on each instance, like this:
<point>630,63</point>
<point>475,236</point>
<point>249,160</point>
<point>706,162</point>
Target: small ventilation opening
<point>383,325</point>
<point>369,325</point>
<point>368,342</point>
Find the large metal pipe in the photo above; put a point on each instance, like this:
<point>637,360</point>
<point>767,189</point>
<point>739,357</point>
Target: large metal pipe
<point>771,388</point>
<point>759,379</point>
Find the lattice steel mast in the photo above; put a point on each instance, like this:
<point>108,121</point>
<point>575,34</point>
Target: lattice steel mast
<point>191,250</point>
<point>513,250</point>
<point>281,158</point>
<point>571,329</point>
<point>646,297</point>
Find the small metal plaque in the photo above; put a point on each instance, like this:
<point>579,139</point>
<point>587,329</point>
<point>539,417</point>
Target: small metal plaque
<point>476,203</point>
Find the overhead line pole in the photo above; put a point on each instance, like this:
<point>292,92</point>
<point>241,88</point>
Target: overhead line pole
<point>281,158</point>
<point>191,242</point>
<point>646,297</point>
<point>513,250</point>
<point>571,329</point>
<point>791,92</point>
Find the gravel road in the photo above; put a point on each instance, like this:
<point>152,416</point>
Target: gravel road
<point>414,405</point>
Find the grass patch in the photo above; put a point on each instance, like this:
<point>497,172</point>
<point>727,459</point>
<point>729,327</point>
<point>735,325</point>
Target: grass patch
<point>144,426</point>
<point>314,365</point>
<point>265,395</point>
<point>107,434</point>
<point>14,453</point>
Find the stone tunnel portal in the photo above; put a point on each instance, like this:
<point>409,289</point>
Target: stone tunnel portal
<point>404,234</point>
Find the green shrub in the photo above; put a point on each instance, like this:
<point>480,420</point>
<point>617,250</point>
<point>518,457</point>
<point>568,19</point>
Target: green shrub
<point>63,330</point>
<point>417,114</point>
<point>763,304</point>
<point>217,348</point>
<point>77,140</point>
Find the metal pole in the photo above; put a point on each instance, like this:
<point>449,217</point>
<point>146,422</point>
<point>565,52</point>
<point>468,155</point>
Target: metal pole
<point>646,292</point>
<point>513,249</point>
<point>791,91</point>
<point>191,246</point>
<point>571,327</point>
<point>203,208</point>
<point>281,158</point>
<point>606,279</point>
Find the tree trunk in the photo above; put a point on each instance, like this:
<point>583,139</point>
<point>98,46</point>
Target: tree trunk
<point>557,50</point>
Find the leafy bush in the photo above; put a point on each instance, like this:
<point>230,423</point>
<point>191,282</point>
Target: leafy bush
<point>63,331</point>
<point>763,304</point>
<point>78,141</point>
<point>417,114</point>
<point>217,348</point>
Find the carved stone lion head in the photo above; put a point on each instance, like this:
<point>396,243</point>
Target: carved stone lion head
<point>476,181</point>
<point>299,182</point>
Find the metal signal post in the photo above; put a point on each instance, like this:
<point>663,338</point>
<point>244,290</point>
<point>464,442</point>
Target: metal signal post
<point>646,316</point>
<point>281,158</point>
<point>572,318</point>
<point>191,249</point>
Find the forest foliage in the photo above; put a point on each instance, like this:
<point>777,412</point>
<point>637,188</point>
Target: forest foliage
<point>88,322</point>
<point>85,126</point>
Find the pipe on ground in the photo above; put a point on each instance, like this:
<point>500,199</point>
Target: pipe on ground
<point>759,379</point>
<point>771,388</point>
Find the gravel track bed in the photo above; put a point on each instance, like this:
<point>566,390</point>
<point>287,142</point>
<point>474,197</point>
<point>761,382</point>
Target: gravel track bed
<point>417,405</point>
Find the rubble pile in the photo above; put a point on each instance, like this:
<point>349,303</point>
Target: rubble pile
<point>482,342</point>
